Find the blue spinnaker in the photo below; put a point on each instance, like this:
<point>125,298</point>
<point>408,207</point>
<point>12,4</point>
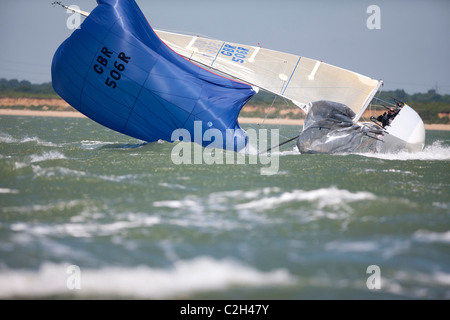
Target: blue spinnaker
<point>115,70</point>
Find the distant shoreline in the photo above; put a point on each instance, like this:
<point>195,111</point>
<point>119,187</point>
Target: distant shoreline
<point>75,114</point>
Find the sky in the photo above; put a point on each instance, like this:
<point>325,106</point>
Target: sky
<point>410,50</point>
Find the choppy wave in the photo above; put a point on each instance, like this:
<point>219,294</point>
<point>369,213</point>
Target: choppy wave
<point>56,172</point>
<point>202,274</point>
<point>246,208</point>
<point>324,197</point>
<point>8,190</point>
<point>418,285</point>
<point>50,155</point>
<point>83,195</point>
<point>85,225</point>
<point>218,200</point>
<point>268,198</point>
<point>58,206</point>
<point>6,138</point>
<point>428,236</point>
<point>92,144</point>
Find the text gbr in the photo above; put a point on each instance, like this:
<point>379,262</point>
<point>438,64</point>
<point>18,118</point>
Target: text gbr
<point>119,66</point>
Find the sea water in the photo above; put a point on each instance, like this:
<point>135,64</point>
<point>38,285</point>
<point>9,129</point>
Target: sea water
<point>86,212</point>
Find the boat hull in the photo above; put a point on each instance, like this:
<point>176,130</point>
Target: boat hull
<point>406,132</point>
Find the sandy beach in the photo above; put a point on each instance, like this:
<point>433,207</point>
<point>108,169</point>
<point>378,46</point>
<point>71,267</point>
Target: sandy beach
<point>75,114</point>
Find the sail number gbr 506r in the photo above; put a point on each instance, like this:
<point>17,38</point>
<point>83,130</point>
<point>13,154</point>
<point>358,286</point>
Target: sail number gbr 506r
<point>237,54</point>
<point>119,66</point>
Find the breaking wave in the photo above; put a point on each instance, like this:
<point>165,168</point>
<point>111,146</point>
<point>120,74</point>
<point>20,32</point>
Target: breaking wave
<point>323,197</point>
<point>198,275</point>
<point>51,155</point>
<point>6,138</point>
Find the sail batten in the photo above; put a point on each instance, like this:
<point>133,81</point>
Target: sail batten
<point>299,79</point>
<point>290,78</point>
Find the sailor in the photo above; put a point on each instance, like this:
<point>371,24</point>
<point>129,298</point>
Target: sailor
<point>384,119</point>
<point>391,114</point>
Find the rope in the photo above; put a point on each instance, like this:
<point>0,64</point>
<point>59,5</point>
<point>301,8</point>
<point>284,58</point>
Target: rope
<point>267,113</point>
<point>385,101</point>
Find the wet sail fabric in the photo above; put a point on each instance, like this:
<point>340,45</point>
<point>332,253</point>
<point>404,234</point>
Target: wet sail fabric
<point>115,70</point>
<point>328,128</point>
<point>299,79</point>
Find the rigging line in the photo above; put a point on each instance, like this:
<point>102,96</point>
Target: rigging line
<point>385,101</point>
<point>187,33</point>
<point>283,143</point>
<point>267,113</point>
<point>259,124</point>
<point>370,104</point>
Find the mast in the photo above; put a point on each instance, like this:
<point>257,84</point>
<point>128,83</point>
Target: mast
<point>74,10</point>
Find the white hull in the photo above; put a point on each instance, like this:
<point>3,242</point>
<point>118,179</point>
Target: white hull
<point>405,133</point>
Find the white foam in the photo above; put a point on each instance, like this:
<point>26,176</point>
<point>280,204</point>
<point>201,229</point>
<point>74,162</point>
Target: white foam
<point>324,197</point>
<point>417,284</point>
<point>55,171</point>
<point>437,151</point>
<point>38,141</point>
<point>62,171</point>
<point>207,211</point>
<point>428,236</point>
<point>184,277</point>
<point>7,190</point>
<point>217,200</point>
<point>51,155</point>
<point>6,138</point>
<point>59,206</point>
<point>86,229</point>
<point>172,186</point>
<point>176,204</point>
<point>92,144</point>
<point>127,177</point>
<point>441,205</point>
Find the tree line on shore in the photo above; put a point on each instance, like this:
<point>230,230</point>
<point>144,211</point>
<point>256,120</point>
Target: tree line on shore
<point>431,106</point>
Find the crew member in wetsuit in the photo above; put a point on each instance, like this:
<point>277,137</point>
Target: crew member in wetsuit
<point>390,116</point>
<point>383,118</point>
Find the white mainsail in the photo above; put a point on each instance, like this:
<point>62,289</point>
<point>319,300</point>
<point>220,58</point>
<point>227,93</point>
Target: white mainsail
<point>299,79</point>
